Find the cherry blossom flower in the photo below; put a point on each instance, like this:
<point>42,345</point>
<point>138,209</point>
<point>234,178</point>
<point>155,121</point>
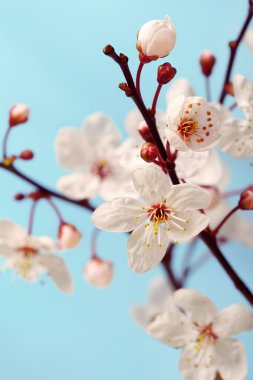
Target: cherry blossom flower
<point>156,38</point>
<point>30,256</point>
<point>248,38</point>
<point>179,87</point>
<point>93,153</point>
<point>160,299</point>
<point>165,214</point>
<point>193,124</point>
<point>98,272</point>
<point>237,133</point>
<point>205,334</point>
<point>68,235</point>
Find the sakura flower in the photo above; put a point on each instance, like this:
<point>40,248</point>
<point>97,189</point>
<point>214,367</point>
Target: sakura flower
<point>98,272</point>
<point>93,153</point>
<point>30,256</point>
<point>68,235</point>
<point>166,213</point>
<point>156,39</point>
<point>179,87</point>
<point>205,334</point>
<point>237,133</point>
<point>193,124</point>
<point>160,299</point>
<point>248,38</point>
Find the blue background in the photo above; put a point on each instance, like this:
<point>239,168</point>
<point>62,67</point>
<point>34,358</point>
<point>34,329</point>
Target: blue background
<point>51,59</point>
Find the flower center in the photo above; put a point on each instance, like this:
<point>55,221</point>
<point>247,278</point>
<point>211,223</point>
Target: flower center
<point>27,251</point>
<point>102,169</point>
<point>186,128</point>
<point>207,335</point>
<point>159,213</point>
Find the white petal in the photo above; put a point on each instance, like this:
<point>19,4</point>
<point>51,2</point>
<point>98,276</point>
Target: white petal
<point>197,363</point>
<point>160,290</point>
<point>233,320</point>
<point>200,308</point>
<point>59,273</point>
<point>248,38</point>
<point>141,257</point>
<point>237,138</point>
<point>11,233</point>
<point>119,215</point>
<point>175,140</point>
<point>172,328</point>
<point>197,222</point>
<point>186,196</point>
<point>179,87</point>
<point>143,315</point>
<point>132,121</point>
<point>230,358</point>
<point>243,89</point>
<point>79,185</point>
<point>100,130</point>
<point>190,163</point>
<point>72,148</point>
<point>152,184</point>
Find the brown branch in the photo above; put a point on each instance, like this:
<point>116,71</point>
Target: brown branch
<point>81,203</point>
<point>166,262</point>
<point>233,45</point>
<point>131,91</point>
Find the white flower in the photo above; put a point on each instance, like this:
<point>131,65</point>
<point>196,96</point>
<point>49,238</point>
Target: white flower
<point>193,124</point>
<point>178,87</point>
<point>237,133</point>
<point>93,153</point>
<point>30,256</point>
<point>165,213</point>
<point>248,38</point>
<point>98,272</point>
<point>159,300</point>
<point>68,235</point>
<point>205,336</point>
<point>156,38</point>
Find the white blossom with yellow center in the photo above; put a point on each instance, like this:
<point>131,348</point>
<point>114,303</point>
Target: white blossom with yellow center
<point>165,214</point>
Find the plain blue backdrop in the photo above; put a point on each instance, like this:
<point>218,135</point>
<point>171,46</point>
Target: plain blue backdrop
<point>51,59</point>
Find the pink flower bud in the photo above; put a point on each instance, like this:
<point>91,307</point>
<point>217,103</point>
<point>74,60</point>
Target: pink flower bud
<point>68,235</point>
<point>144,131</point>
<point>207,62</point>
<point>19,197</point>
<point>246,200</point>
<point>98,272</point>
<point>165,73</point>
<point>19,114</point>
<point>156,39</point>
<point>26,155</point>
<point>149,152</point>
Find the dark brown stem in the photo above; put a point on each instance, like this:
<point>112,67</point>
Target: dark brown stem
<point>82,203</point>
<point>211,242</point>
<point>217,229</point>
<point>122,61</point>
<point>166,262</point>
<point>138,79</point>
<point>233,50</point>
<point>153,108</point>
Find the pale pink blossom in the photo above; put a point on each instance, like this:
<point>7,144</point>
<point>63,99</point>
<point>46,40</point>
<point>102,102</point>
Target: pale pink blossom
<point>98,272</point>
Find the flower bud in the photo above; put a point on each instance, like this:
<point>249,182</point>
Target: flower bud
<point>144,131</point>
<point>98,272</point>
<point>68,235</point>
<point>156,39</point>
<point>229,89</point>
<point>149,152</point>
<point>246,200</point>
<point>19,114</point>
<point>165,73</point>
<point>26,155</point>
<point>19,197</point>
<point>207,62</point>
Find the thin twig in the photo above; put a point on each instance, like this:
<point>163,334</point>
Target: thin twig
<point>217,229</point>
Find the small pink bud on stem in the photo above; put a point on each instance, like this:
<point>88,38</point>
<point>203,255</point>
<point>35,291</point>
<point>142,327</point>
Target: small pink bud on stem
<point>165,73</point>
<point>19,114</point>
<point>19,197</point>
<point>207,62</point>
<point>98,272</point>
<point>149,152</point>
<point>145,133</point>
<point>69,236</point>
<point>26,155</point>
<point>246,200</point>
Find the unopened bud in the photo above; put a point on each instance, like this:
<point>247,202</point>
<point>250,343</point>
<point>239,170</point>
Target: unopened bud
<point>19,114</point>
<point>36,195</point>
<point>98,272</point>
<point>124,87</point>
<point>19,197</point>
<point>156,39</point>
<point>229,89</point>
<point>149,152</point>
<point>108,49</point>
<point>246,200</point>
<point>26,155</point>
<point>69,236</point>
<point>144,131</point>
<point>207,62</point>
<point>165,73</point>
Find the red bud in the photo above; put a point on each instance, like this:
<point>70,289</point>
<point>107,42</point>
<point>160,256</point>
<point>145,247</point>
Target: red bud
<point>26,155</point>
<point>19,114</point>
<point>145,133</point>
<point>246,200</point>
<point>207,62</point>
<point>165,73</point>
<point>149,152</point>
<point>19,197</point>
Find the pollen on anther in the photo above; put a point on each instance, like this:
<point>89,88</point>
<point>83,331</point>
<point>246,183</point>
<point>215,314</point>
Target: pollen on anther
<point>148,245</point>
<point>204,128</point>
<point>210,125</point>
<point>186,111</point>
<point>190,105</point>
<point>208,113</point>
<point>209,119</point>
<point>198,104</point>
<point>207,133</point>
